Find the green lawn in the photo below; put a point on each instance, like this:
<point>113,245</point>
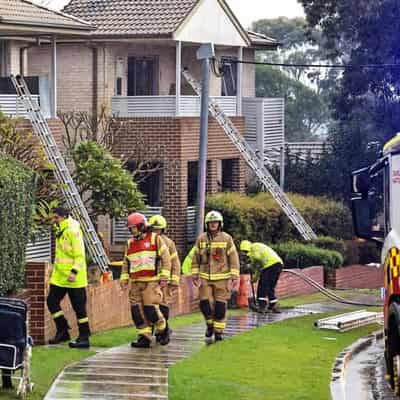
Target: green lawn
<point>290,360</point>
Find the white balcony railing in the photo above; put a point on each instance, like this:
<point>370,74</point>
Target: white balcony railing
<point>11,106</point>
<point>120,233</point>
<point>165,106</point>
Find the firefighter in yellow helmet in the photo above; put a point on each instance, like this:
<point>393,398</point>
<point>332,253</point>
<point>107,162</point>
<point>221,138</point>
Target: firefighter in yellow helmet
<point>159,225</point>
<point>266,267</point>
<point>215,269</point>
<point>69,276</point>
<point>147,266</point>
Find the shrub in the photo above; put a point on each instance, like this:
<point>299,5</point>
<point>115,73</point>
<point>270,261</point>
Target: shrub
<point>330,243</point>
<point>298,255</point>
<point>17,185</point>
<point>259,218</point>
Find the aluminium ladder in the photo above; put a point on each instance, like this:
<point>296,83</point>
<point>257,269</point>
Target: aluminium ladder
<point>63,176</point>
<point>254,162</point>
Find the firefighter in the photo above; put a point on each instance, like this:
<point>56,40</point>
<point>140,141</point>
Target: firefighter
<point>69,276</point>
<point>158,225</point>
<point>266,267</point>
<point>215,269</point>
<point>147,267</point>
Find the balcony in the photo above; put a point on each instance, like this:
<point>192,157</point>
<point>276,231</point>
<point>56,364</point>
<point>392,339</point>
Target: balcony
<point>165,106</point>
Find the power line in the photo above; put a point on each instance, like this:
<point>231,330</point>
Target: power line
<point>338,66</point>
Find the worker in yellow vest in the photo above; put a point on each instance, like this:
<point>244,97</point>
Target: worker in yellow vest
<point>266,267</point>
<point>215,269</point>
<point>147,266</point>
<point>69,276</point>
<point>159,225</point>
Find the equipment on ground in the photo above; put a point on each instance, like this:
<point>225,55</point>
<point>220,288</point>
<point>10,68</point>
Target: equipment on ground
<point>348,321</point>
<point>15,345</point>
<point>254,162</point>
<point>376,215</point>
<point>63,176</point>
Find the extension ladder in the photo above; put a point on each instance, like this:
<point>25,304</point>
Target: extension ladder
<point>254,162</point>
<point>63,176</point>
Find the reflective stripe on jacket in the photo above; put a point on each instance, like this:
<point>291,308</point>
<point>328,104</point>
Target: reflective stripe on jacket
<point>146,259</point>
<point>70,255</point>
<point>215,258</point>
<point>262,255</point>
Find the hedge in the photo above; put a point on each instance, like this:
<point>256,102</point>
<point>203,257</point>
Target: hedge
<point>16,209</point>
<point>299,255</point>
<point>259,218</point>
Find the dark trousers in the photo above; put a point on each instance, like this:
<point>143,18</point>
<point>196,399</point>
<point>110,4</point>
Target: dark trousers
<point>266,285</point>
<point>77,296</point>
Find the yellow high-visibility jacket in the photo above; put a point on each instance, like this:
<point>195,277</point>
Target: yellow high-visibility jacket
<point>215,258</point>
<point>261,257</point>
<point>70,255</point>
<point>187,262</point>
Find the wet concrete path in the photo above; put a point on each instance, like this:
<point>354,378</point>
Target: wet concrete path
<point>142,374</point>
<point>365,375</point>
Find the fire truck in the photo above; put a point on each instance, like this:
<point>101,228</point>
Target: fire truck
<point>376,216</point>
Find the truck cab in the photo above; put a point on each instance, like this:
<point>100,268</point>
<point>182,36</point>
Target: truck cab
<point>376,216</point>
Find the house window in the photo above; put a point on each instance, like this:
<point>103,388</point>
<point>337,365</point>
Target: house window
<point>149,182</point>
<point>227,175</point>
<point>142,76</point>
<point>192,182</point>
<point>229,78</point>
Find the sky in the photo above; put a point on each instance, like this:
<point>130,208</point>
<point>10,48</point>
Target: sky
<point>246,10</point>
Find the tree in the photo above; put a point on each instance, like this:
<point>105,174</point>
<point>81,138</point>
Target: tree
<point>366,101</point>
<point>23,146</point>
<point>303,88</point>
<point>104,185</point>
<point>305,111</point>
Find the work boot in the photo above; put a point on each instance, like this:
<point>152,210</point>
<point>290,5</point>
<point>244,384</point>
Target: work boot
<point>80,343</point>
<point>209,334</point>
<point>164,336</point>
<point>275,309</point>
<point>142,342</point>
<point>159,335</point>
<point>61,336</point>
<point>252,304</point>
<point>7,382</point>
<point>262,307</point>
<point>219,336</point>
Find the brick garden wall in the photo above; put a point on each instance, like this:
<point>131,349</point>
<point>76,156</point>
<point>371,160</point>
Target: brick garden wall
<point>355,276</point>
<point>108,306</point>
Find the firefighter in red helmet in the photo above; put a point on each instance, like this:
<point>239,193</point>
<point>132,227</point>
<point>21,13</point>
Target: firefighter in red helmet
<point>147,266</point>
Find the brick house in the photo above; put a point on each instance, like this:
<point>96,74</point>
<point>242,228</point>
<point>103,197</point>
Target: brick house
<point>132,63</point>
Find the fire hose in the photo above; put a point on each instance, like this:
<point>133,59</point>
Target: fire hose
<point>328,293</point>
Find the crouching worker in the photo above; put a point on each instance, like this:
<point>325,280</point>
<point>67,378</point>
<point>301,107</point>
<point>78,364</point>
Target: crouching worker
<point>215,269</point>
<point>159,225</point>
<point>69,275</point>
<point>147,268</point>
<point>266,267</point>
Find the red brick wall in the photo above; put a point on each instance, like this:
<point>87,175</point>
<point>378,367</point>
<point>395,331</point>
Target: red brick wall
<point>290,285</point>
<point>355,276</point>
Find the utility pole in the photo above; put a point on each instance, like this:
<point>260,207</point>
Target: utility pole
<point>204,53</point>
